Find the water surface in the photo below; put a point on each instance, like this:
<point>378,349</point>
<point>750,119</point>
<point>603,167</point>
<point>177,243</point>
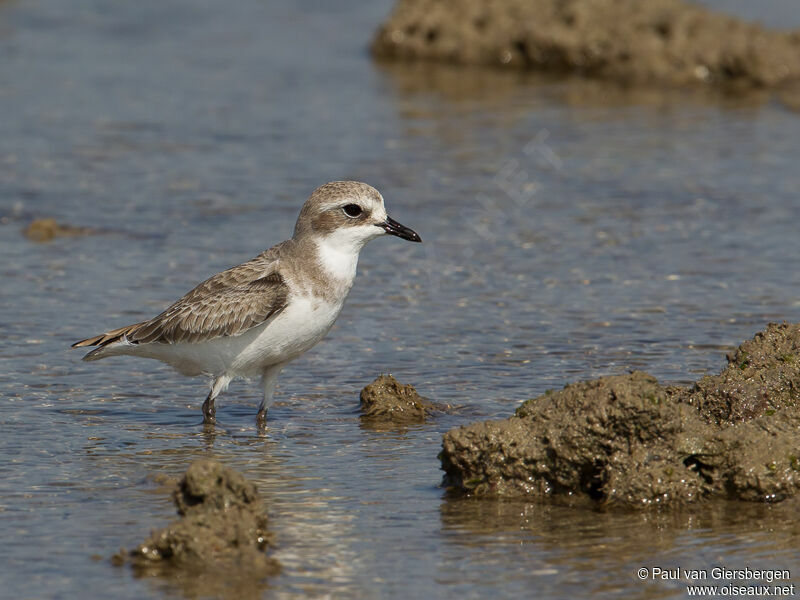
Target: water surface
<point>571,231</point>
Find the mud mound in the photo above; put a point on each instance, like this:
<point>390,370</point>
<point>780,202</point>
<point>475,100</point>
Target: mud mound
<point>628,441</point>
<point>614,440</point>
<point>659,41</point>
<point>388,401</point>
<point>218,543</point>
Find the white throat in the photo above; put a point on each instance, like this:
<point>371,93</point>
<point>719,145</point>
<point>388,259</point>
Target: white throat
<point>339,260</point>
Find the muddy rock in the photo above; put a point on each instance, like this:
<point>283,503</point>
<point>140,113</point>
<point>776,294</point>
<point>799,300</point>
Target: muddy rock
<point>670,42</point>
<point>220,540</point>
<point>209,487</point>
<point>628,441</point>
<point>763,374</point>
<point>613,440</point>
<point>386,400</point>
<point>757,460</point>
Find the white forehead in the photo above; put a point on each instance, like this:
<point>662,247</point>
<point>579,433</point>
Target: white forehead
<point>378,208</point>
<point>366,201</point>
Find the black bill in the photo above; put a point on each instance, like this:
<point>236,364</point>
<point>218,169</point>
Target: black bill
<point>392,227</point>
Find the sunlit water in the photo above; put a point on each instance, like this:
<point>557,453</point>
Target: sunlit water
<point>570,232</point>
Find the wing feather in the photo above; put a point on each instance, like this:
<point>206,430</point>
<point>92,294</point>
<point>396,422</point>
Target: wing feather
<point>227,304</point>
<point>224,311</point>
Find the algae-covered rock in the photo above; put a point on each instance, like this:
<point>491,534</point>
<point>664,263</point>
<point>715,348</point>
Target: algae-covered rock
<point>763,374</point>
<point>658,41</point>
<point>627,441</point>
<point>758,460</point>
<point>387,400</point>
<point>607,440</point>
<point>220,540</point>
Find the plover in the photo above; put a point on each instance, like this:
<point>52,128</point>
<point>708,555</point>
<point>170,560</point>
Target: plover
<point>253,319</point>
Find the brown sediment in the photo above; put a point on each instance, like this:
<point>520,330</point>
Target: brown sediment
<point>388,401</point>
<point>46,230</point>
<point>627,441</point>
<point>217,546</point>
<point>670,42</point>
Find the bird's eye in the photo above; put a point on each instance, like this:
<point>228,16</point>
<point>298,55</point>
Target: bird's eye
<point>352,210</point>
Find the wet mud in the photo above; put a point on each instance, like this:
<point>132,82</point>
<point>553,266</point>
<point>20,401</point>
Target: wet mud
<point>628,441</point>
<point>386,401</point>
<point>218,545</point>
<point>666,42</point>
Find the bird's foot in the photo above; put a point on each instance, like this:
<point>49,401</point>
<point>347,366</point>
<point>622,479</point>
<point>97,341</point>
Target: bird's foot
<point>209,412</point>
<point>261,419</point>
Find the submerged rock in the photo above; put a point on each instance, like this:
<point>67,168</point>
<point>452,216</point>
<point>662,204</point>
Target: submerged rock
<point>628,441</point>
<point>386,400</point>
<point>658,41</point>
<point>46,230</point>
<point>218,543</point>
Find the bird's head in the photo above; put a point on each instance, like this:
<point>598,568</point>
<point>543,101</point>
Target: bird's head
<point>348,214</point>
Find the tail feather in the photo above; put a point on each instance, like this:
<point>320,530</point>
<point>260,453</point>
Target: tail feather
<point>104,340</point>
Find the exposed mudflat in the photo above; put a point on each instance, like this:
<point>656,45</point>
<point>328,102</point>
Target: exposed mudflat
<point>626,440</point>
<point>660,41</point>
<point>218,544</point>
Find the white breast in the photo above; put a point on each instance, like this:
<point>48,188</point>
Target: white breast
<point>303,323</point>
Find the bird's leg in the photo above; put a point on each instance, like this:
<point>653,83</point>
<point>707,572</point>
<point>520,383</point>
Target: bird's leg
<point>209,411</point>
<point>268,380</point>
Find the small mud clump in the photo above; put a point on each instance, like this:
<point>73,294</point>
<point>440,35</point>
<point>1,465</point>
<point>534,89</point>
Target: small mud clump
<point>627,441</point>
<point>670,42</point>
<point>218,543</point>
<point>46,230</point>
<point>388,401</point>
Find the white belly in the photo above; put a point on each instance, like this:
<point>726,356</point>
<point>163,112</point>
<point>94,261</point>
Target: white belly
<point>297,328</point>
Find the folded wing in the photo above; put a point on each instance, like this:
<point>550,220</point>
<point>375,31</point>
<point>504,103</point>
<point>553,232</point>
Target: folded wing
<point>227,304</point>
<point>202,317</point>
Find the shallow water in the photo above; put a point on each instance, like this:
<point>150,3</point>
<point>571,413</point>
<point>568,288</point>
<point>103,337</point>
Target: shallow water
<point>570,231</point>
